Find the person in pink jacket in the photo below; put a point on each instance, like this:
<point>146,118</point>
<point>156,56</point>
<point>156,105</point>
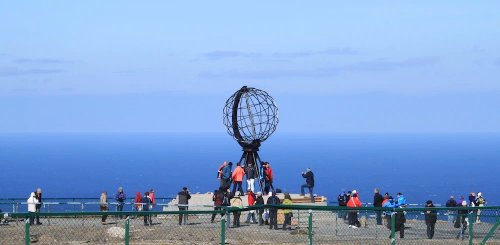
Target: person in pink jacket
<point>237,177</point>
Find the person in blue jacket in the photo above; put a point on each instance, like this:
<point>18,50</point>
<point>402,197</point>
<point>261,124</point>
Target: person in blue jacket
<point>226,176</point>
<point>401,200</point>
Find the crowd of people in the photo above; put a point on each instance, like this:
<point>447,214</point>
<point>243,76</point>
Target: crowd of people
<point>458,218</point>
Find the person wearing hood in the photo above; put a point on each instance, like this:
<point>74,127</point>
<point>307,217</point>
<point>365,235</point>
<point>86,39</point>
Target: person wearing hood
<point>309,176</point>
<point>401,200</point>
<point>32,202</point>
<point>430,219</point>
<point>138,201</point>
<point>399,217</point>
<point>120,198</point>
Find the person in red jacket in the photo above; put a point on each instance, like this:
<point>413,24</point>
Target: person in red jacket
<point>268,178</point>
<point>353,202</point>
<point>237,177</point>
<point>251,202</point>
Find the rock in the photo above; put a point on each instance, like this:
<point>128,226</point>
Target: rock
<point>116,232</point>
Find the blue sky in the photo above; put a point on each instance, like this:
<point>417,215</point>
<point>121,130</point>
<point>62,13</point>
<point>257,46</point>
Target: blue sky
<point>169,66</point>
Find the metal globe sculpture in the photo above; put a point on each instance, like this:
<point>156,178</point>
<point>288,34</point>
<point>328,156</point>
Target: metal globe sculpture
<point>251,116</point>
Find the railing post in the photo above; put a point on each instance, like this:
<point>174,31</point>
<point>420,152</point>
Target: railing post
<point>127,231</point>
<point>27,231</point>
<point>393,228</point>
<point>310,234</point>
<point>223,230</point>
<point>471,218</point>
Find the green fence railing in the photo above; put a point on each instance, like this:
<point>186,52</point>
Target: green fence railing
<point>308,225</point>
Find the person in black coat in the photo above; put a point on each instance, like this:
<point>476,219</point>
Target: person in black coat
<point>273,212</point>
<point>145,202</point>
<point>430,219</point>
<point>377,202</point>
<point>184,197</point>
<point>461,221</point>
<point>309,176</point>
<point>260,201</point>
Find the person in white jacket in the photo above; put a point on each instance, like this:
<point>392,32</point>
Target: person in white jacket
<point>32,202</point>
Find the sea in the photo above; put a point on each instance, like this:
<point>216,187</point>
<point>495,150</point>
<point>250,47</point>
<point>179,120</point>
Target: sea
<point>421,166</point>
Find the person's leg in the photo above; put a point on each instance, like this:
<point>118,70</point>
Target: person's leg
<point>261,220</point>
<point>213,215</point>
<point>276,220</point>
<point>428,231</point>
<point>253,218</point>
<point>302,193</point>
<point>252,185</point>
<point>311,193</point>
<point>402,231</point>
<point>180,215</point>
<point>349,218</point>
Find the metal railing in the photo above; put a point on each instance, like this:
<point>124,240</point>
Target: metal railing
<point>308,225</point>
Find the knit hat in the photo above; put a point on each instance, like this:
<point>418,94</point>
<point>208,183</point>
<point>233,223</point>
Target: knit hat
<point>428,202</point>
<point>464,203</point>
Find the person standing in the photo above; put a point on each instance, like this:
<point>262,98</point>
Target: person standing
<point>309,176</point>
<point>236,203</point>
<point>146,201</point>
<point>219,173</point>
<point>461,221</point>
<point>251,174</point>
<point>32,202</point>
<point>480,203</point>
<point>103,206</point>
<point>451,203</point>
<point>226,176</point>
<point>152,198</point>
<point>377,203</point>
<point>120,198</point>
<point>138,202</point>
<point>38,206</point>
<point>400,200</point>
<point>260,201</point>
<point>183,197</point>
<point>251,202</point>
<point>273,212</point>
<point>430,219</point>
<point>341,200</point>
<point>287,212</point>
<point>268,178</point>
<point>237,177</point>
<point>218,198</point>
<point>386,198</point>
<point>353,202</point>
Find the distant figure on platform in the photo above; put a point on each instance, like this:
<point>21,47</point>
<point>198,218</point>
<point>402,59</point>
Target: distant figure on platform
<point>430,219</point>
<point>451,203</point>
<point>237,176</point>
<point>341,199</point>
<point>251,174</point>
<point>401,200</point>
<point>38,206</point>
<point>219,172</point>
<point>251,202</point>
<point>183,197</point>
<point>218,198</point>
<point>472,199</point>
<point>287,212</point>
<point>226,176</point>
<point>260,201</point>
<point>377,203</point>
<point>120,198</point>
<point>273,212</point>
<point>461,221</point>
<point>32,202</point>
<point>354,202</point>
<point>138,201</point>
<point>309,176</point>
<point>480,201</point>
<point>103,206</point>
<point>386,198</point>
<point>152,198</point>
<point>146,201</point>
<point>268,178</point>
<point>237,203</point>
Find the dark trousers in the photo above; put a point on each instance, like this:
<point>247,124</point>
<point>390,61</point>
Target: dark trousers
<point>147,219</point>
<point>352,217</point>
<point>32,219</point>
<point>288,220</point>
<point>268,186</point>
<point>37,217</point>
<point>273,219</point>
<point>379,217</point>
<point>225,184</point>
<point>430,230</point>
<point>260,212</point>
<point>213,215</point>
<point>103,209</point>
<point>119,208</point>
<point>236,218</point>
<point>237,185</point>
<point>183,216</point>
<point>310,190</point>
